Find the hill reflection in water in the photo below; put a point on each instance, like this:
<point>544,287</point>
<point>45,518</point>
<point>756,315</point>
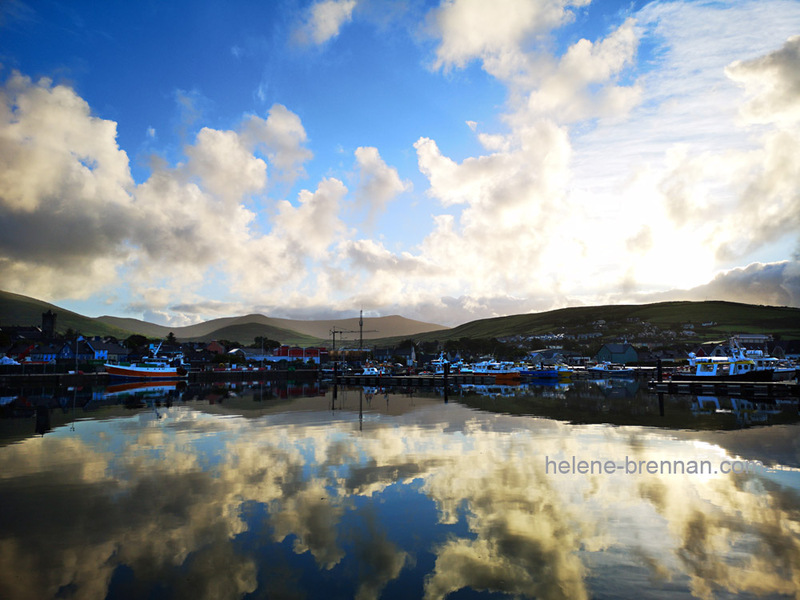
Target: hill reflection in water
<point>252,492</point>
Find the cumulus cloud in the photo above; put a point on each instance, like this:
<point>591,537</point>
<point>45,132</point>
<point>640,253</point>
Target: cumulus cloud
<point>773,84</point>
<point>65,190</point>
<point>602,176</point>
<point>324,20</point>
<point>506,198</point>
<point>312,226</point>
<point>224,166</point>
<point>282,137</point>
<point>740,201</point>
<point>567,90</point>
<point>776,284</point>
<point>494,31</point>
<point>378,183</point>
<point>75,223</point>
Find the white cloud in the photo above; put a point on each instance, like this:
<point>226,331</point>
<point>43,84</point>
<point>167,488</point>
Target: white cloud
<point>224,166</point>
<point>607,178</point>
<point>493,31</point>
<point>65,189</point>
<point>567,91</point>
<point>75,224</point>
<point>314,225</point>
<point>283,138</point>
<point>772,83</point>
<point>378,185</point>
<point>324,20</point>
<point>776,284</point>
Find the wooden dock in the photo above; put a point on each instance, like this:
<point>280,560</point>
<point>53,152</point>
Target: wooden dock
<point>746,389</point>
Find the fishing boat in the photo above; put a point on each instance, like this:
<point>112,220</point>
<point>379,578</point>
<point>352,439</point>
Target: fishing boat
<point>502,371</point>
<point>150,369</point>
<point>732,365</point>
<point>608,369</point>
<point>782,370</point>
<point>154,367</point>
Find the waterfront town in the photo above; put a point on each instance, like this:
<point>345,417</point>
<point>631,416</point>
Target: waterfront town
<point>41,349</point>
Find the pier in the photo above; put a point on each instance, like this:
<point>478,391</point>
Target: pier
<point>745,389</point>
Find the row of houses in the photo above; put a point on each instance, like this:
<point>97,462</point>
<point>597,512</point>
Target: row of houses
<point>98,350</point>
<point>80,350</point>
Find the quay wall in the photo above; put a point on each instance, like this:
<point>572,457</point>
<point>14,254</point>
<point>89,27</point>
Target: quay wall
<point>100,378</point>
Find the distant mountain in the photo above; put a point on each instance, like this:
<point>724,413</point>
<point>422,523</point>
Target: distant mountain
<point>245,329</point>
<point>22,310</point>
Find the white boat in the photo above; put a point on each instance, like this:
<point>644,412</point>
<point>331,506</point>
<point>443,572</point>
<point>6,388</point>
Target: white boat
<point>781,370</point>
<point>372,371</point>
<point>608,369</point>
<point>461,367</point>
<point>440,364</point>
<point>733,365</point>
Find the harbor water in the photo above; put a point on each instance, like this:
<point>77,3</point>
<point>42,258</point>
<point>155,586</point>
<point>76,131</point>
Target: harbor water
<point>593,489</point>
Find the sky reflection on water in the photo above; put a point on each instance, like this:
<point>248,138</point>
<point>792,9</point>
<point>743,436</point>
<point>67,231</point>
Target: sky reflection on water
<point>411,497</point>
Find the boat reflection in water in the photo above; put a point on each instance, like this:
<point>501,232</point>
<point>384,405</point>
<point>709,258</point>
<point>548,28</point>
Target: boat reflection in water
<point>243,491</point>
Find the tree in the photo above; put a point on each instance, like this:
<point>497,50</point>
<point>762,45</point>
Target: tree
<point>135,341</point>
<point>171,339</point>
<point>407,343</point>
<point>430,347</point>
<point>268,344</point>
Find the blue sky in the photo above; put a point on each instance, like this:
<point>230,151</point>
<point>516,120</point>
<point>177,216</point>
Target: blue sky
<point>447,161</point>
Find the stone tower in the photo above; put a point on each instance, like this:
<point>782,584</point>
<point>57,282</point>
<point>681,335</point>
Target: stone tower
<point>49,325</point>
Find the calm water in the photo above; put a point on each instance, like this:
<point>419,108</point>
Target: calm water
<point>265,492</point>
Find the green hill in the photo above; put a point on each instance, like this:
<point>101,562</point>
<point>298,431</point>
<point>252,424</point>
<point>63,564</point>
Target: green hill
<point>727,317</point>
<point>711,320</point>
<point>246,333</point>
<point>17,310</point>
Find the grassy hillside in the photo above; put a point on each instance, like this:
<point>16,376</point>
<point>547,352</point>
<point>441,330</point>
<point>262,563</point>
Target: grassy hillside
<point>16,310</point>
<point>729,318</point>
<point>245,333</point>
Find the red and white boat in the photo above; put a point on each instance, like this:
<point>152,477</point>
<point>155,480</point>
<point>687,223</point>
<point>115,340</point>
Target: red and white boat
<point>150,368</point>
<point>146,370</point>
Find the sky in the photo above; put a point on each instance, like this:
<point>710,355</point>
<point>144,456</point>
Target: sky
<point>442,160</point>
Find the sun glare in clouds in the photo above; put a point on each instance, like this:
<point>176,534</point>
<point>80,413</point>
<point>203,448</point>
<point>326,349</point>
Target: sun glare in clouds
<point>658,151</point>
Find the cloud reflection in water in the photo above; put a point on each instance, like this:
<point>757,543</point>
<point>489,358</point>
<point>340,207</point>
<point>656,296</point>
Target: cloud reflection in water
<point>136,506</point>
